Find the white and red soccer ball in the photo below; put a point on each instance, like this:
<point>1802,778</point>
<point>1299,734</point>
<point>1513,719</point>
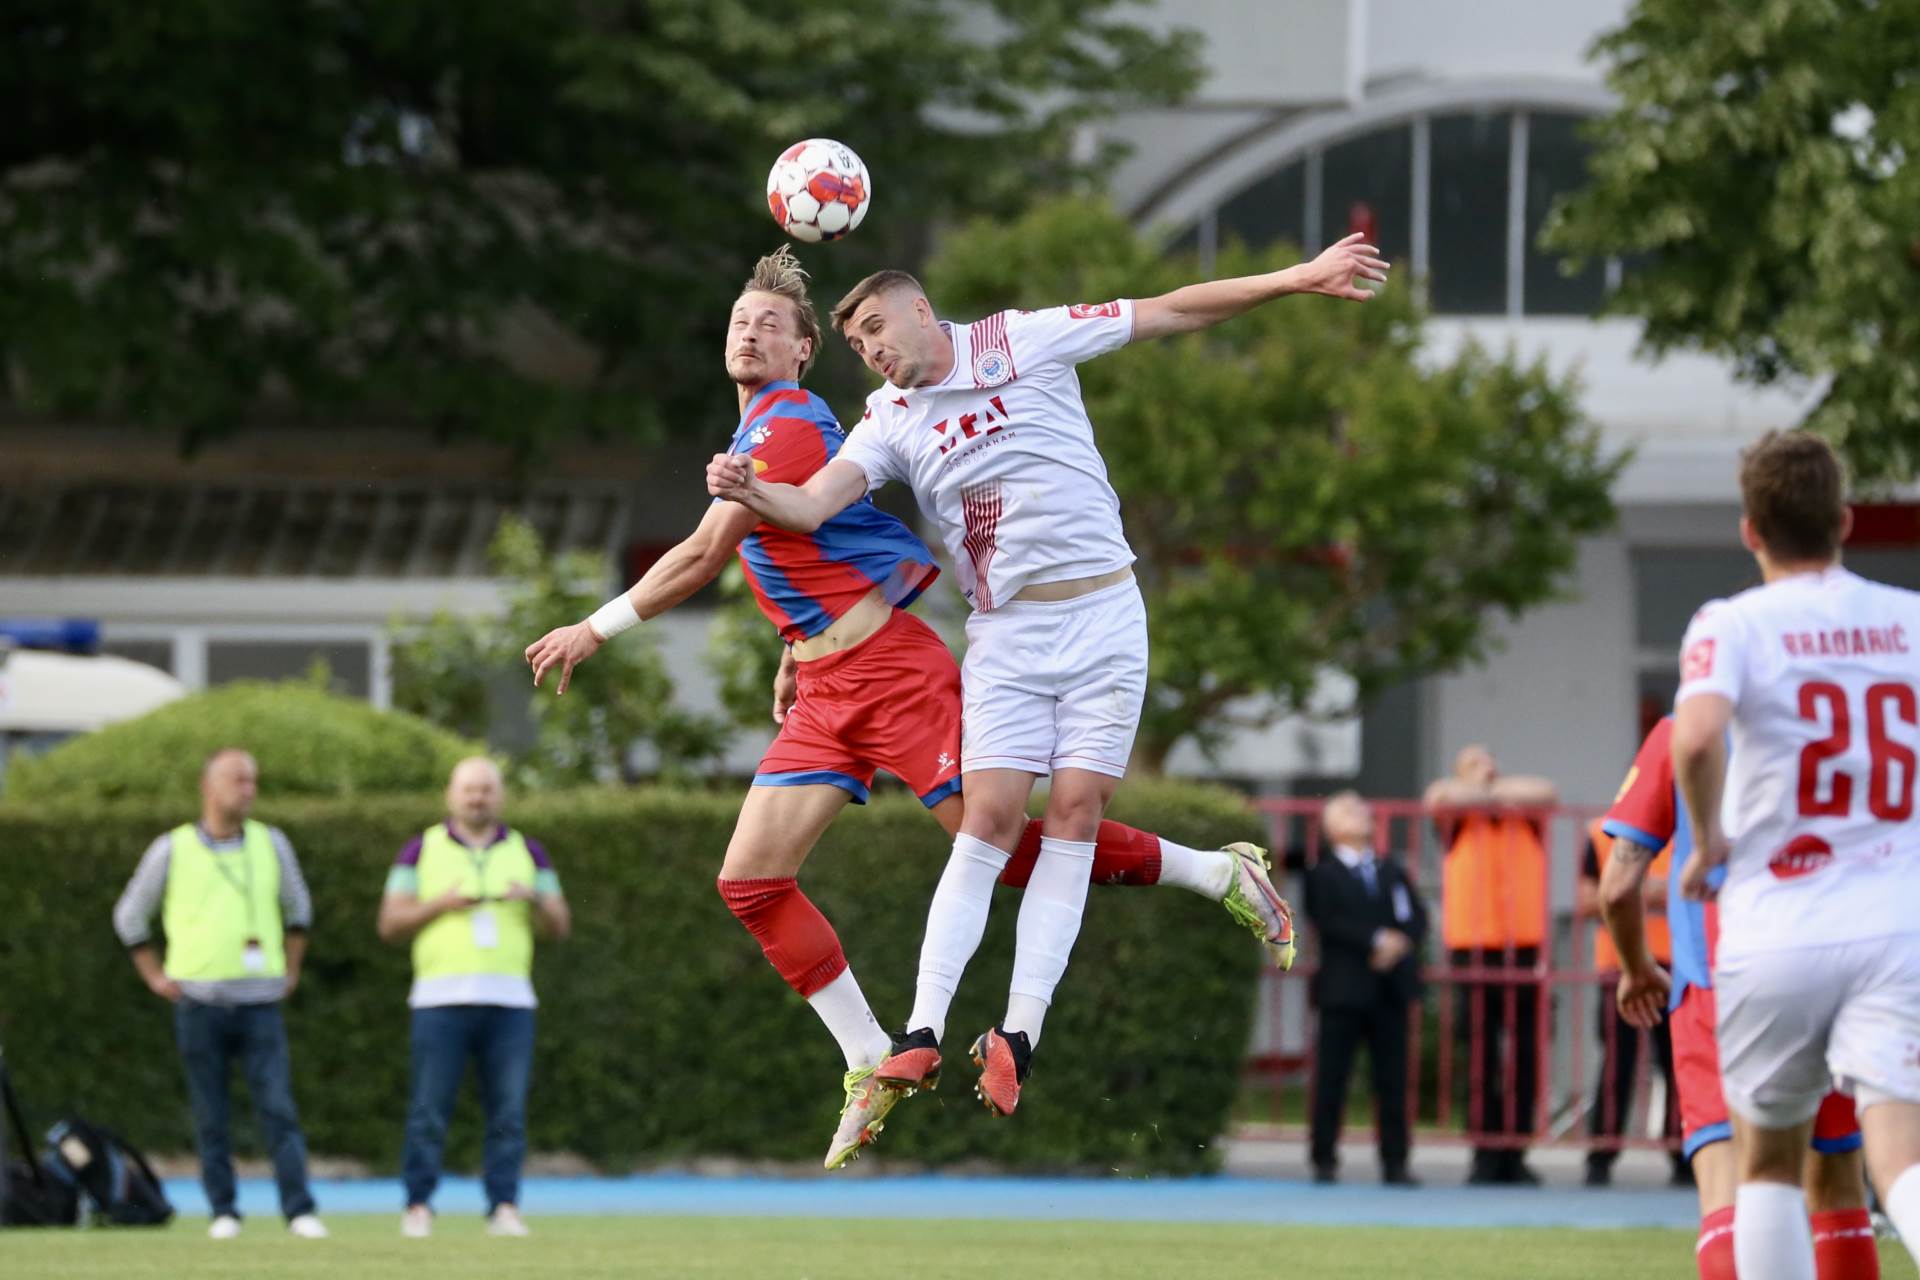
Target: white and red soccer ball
<point>818,190</point>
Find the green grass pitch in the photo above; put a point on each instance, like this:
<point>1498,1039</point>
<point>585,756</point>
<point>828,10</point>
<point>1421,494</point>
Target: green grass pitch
<point>369,1248</point>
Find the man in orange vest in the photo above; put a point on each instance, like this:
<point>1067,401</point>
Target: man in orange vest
<point>1620,1039</point>
<point>1493,917</point>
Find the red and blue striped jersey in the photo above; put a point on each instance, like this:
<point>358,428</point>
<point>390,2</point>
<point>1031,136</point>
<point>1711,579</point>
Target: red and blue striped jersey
<point>1650,811</point>
<point>803,581</point>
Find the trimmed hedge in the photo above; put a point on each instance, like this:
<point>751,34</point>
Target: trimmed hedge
<point>309,742</point>
<point>663,1034</point>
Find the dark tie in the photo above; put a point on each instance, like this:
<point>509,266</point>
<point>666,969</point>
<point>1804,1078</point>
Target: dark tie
<point>1372,877</point>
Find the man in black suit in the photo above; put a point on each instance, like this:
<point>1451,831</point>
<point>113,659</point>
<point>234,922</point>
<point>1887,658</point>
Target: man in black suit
<point>1371,926</point>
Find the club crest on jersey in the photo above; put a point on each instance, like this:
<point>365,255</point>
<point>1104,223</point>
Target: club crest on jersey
<point>991,368</point>
<point>1697,662</point>
<point>759,435</point>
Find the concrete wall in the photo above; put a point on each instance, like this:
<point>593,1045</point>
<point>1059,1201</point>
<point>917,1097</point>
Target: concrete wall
<point>1556,697</point>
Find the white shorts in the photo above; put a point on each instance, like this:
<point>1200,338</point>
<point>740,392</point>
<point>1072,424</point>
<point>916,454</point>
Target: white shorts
<point>1800,1020</point>
<point>1055,685</point>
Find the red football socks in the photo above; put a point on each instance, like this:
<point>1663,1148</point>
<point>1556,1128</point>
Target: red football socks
<point>1843,1247</point>
<point>1713,1254</point>
<point>1121,855</point>
<point>796,938</point>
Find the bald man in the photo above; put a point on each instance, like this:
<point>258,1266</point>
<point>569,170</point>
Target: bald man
<point>1493,916</point>
<point>1371,924</point>
<point>235,911</point>
<point>470,893</point>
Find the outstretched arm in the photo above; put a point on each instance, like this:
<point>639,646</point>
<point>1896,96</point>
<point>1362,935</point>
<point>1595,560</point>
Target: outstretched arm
<point>802,508</point>
<point>1337,273</point>
<point>694,562</point>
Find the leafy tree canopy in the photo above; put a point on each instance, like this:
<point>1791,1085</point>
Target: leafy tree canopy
<point>510,220</point>
<point>1760,159</point>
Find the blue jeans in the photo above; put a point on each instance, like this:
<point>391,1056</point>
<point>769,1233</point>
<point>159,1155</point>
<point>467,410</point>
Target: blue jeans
<point>211,1036</point>
<point>500,1040</point>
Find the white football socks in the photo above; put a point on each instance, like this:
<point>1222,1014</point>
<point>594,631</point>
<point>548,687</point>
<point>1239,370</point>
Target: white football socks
<point>1207,872</point>
<point>1903,1206</point>
<point>844,1009</point>
<point>1050,915</point>
<point>955,923</point>
<point>1771,1238</point>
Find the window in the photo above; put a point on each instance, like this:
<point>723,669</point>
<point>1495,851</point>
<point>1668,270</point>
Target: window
<point>1271,210</point>
<point>1556,165</point>
<point>1471,249</point>
<point>1467,225</point>
<point>1671,582</point>
<point>350,662</point>
<point>1366,185</point>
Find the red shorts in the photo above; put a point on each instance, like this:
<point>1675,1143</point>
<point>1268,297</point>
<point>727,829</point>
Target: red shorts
<point>1703,1109</point>
<point>891,702</point>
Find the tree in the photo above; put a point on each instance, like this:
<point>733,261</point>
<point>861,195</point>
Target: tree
<point>444,672</point>
<point>509,220</point>
<point>1759,159</point>
<point>1305,490</point>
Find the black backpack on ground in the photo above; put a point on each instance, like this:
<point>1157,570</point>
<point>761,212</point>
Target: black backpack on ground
<point>31,1194</point>
<point>105,1166</point>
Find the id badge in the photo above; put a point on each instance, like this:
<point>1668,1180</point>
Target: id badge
<point>486,928</point>
<point>254,957</point>
<point>1402,904</point>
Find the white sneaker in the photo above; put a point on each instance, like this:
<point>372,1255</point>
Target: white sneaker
<point>224,1227</point>
<point>506,1221</point>
<point>308,1227</point>
<point>417,1222</point>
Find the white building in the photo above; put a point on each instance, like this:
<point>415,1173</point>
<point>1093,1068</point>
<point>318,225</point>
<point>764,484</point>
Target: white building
<point>1446,128</point>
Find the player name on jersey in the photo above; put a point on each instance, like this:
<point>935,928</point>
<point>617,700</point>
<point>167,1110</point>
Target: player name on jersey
<point>1846,642</point>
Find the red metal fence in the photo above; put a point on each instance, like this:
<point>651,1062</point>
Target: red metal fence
<point>1573,1048</point>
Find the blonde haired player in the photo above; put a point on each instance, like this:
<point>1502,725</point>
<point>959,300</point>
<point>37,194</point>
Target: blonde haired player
<point>985,422</point>
<point>864,685</point>
<point>1817,672</point>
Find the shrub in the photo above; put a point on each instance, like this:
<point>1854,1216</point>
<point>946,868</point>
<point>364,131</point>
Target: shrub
<point>308,742</point>
<point>663,1033</point>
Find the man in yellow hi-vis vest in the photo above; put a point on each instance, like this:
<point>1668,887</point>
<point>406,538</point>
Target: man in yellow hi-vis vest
<point>235,910</point>
<point>469,893</point>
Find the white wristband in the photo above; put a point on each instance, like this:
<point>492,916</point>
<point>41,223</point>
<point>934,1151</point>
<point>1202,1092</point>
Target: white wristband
<point>613,617</point>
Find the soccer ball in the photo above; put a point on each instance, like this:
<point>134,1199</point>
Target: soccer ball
<point>818,190</point>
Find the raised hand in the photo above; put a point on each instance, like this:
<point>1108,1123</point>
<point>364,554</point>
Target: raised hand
<point>1340,268</point>
<point>563,647</point>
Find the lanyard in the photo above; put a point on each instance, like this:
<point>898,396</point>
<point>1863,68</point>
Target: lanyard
<point>243,883</point>
<point>478,859</point>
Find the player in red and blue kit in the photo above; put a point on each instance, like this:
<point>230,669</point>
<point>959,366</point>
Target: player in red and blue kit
<point>1646,817</point>
<point>864,686</point>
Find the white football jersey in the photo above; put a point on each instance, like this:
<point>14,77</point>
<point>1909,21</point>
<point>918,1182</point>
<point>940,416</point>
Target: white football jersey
<point>1001,453</point>
<point>1823,670</point>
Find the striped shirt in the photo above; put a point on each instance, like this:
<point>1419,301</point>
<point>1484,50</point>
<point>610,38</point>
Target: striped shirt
<point>144,894</point>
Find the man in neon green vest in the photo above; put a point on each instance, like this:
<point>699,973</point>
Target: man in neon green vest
<point>470,893</point>
<point>235,910</point>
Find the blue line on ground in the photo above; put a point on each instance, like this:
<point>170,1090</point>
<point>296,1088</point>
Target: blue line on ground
<point>1209,1199</point>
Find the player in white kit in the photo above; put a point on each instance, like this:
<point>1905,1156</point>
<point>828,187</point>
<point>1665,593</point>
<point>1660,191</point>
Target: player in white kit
<point>986,423</point>
<point>1817,672</point>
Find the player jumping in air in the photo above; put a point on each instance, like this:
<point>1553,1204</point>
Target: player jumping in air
<point>864,685</point>
<point>1646,817</point>
<point>1817,975</point>
<point>986,423</point>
